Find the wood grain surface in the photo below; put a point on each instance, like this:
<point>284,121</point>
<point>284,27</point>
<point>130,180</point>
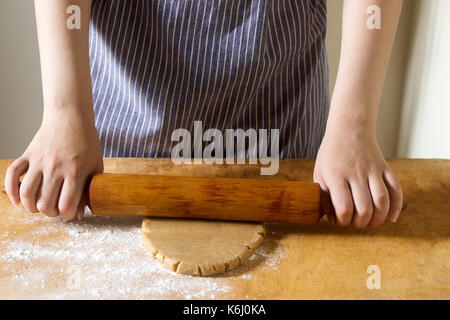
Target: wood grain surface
<point>317,261</point>
<point>206,198</point>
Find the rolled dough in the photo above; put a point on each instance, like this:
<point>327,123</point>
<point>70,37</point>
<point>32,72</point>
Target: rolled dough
<point>201,247</point>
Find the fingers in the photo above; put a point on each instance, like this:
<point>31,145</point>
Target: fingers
<point>318,179</point>
<point>395,194</point>
<point>69,199</point>
<point>13,174</point>
<point>49,193</point>
<point>342,201</point>
<point>380,200</point>
<point>363,203</point>
<point>29,189</point>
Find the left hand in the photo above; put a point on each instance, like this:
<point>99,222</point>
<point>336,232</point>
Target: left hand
<point>363,189</point>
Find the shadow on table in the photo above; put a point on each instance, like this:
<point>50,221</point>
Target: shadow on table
<point>427,217</point>
<point>110,221</point>
<point>268,250</point>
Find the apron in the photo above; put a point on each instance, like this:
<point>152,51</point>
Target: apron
<point>159,65</point>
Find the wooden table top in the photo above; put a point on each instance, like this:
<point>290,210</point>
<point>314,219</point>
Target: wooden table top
<point>103,257</point>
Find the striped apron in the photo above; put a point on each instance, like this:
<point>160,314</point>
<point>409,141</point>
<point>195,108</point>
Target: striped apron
<point>159,65</point>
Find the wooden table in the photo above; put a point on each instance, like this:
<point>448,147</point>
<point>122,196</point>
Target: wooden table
<point>103,257</point>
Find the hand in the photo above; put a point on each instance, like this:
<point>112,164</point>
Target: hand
<point>56,164</point>
<point>363,189</point>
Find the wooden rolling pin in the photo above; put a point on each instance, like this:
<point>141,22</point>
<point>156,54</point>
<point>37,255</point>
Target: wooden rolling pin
<point>207,198</point>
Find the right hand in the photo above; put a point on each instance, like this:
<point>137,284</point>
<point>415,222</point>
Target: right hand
<point>62,155</point>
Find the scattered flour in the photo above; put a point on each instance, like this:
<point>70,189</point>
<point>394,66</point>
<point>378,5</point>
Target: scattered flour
<point>103,257</point>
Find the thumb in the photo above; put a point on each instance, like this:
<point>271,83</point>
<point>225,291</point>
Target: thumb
<point>330,216</point>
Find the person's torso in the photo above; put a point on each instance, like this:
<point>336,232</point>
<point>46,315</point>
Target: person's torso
<point>159,65</point>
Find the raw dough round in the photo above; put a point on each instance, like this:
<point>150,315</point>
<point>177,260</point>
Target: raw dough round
<point>201,247</point>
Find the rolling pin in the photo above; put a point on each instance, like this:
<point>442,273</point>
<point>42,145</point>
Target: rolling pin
<point>207,198</point>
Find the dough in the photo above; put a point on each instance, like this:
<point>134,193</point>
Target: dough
<point>201,247</point>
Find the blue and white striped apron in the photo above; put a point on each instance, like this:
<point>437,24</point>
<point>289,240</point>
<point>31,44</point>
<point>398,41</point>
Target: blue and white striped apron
<point>159,65</point>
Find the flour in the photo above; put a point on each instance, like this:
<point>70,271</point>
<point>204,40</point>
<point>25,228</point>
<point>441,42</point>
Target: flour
<point>103,257</point>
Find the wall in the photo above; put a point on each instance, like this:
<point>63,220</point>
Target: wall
<point>20,80</point>
<point>425,120</point>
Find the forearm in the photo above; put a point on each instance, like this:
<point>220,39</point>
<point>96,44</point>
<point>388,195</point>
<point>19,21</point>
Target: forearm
<point>363,63</point>
<point>64,57</point>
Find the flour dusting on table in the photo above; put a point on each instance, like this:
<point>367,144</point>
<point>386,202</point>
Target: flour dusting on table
<point>104,257</point>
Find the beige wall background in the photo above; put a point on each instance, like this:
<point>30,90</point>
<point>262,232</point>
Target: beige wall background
<point>414,114</point>
<point>425,119</point>
<point>20,79</point>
